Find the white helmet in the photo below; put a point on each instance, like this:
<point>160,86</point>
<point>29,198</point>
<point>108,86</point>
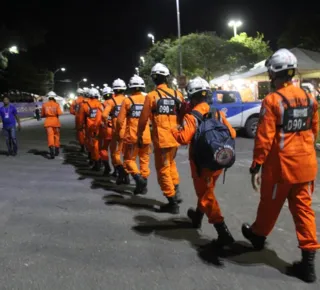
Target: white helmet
<point>160,69</point>
<point>281,60</point>
<point>51,94</point>
<point>86,91</point>
<point>119,84</point>
<point>107,91</point>
<point>80,91</point>
<point>94,93</point>
<point>136,82</point>
<point>197,85</point>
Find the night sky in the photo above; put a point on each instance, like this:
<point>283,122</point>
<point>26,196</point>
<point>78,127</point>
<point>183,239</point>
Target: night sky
<point>102,40</point>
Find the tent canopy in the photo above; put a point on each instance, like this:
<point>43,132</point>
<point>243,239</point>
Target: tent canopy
<point>308,63</point>
<point>308,67</point>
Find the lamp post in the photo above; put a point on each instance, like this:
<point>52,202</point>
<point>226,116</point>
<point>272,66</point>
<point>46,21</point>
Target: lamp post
<point>54,74</point>
<point>152,37</point>
<point>235,24</point>
<point>79,82</point>
<point>179,37</point>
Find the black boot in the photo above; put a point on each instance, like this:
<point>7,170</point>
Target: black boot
<point>256,241</point>
<point>82,149</point>
<point>126,178</point>
<point>171,207</point>
<point>178,193</point>
<point>121,175</point>
<point>107,168</point>
<point>57,151</point>
<point>96,165</point>
<point>115,172</point>
<point>196,217</point>
<point>89,156</point>
<point>51,151</point>
<point>305,269</point>
<point>224,236</point>
<point>141,184</point>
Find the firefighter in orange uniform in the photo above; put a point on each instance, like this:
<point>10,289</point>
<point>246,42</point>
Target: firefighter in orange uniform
<point>285,149</point>
<point>88,115</point>
<point>51,111</point>
<point>112,108</point>
<point>204,179</point>
<point>162,106</point>
<point>128,121</point>
<point>74,110</point>
<point>105,134</point>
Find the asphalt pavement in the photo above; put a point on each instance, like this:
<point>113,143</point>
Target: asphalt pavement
<point>65,227</point>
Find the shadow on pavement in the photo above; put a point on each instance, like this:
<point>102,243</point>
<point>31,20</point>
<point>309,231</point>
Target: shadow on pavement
<point>240,253</point>
<point>4,153</point>
<point>44,154</point>
<point>73,157</point>
<point>131,201</point>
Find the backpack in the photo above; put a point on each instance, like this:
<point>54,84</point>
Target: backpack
<point>212,145</point>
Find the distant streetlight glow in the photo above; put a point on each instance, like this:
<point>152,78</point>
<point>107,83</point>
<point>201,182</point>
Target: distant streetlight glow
<point>14,49</point>
<point>235,24</point>
<point>54,74</point>
<point>79,82</point>
<point>92,85</point>
<point>152,37</point>
<point>105,85</point>
<point>137,70</point>
<point>98,87</point>
<point>142,59</point>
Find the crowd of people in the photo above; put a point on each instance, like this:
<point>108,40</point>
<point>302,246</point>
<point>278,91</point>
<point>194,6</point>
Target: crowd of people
<point>284,148</point>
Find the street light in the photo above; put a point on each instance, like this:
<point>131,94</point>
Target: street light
<point>179,37</point>
<point>105,85</point>
<point>13,49</point>
<point>92,85</point>
<point>137,70</point>
<point>79,82</point>
<point>98,87</point>
<point>152,37</point>
<point>235,25</point>
<point>54,74</point>
<point>142,59</point>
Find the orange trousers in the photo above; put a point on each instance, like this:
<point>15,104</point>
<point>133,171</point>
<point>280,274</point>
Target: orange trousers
<point>104,143</point>
<point>167,172</point>
<point>87,139</point>
<point>53,135</point>
<point>116,151</point>
<point>131,152</point>
<point>299,198</point>
<point>94,143</point>
<point>204,186</point>
<point>81,136</point>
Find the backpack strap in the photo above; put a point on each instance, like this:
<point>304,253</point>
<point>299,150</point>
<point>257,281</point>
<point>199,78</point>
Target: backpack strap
<point>199,117</point>
<point>131,100</point>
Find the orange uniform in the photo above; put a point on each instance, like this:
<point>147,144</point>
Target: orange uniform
<point>205,183</point>
<point>289,164</point>
<point>88,115</point>
<point>51,111</point>
<point>75,110</point>
<point>112,108</point>
<point>161,109</point>
<point>128,122</point>
<point>105,133</point>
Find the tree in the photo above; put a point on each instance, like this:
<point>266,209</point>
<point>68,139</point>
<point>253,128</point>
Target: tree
<point>155,54</point>
<point>257,45</point>
<point>22,75</point>
<point>207,55</point>
<point>303,33</point>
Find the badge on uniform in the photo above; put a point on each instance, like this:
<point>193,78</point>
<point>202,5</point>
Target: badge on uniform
<point>6,115</point>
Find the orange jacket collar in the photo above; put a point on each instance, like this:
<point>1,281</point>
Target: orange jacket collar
<point>162,86</point>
